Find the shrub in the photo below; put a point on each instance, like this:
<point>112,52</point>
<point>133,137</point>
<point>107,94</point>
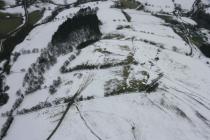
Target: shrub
<point>37,107</point>
<point>120,27</point>
<point>56,83</point>
<point>3,98</point>
<point>112,36</point>
<point>6,126</point>
<point>16,55</point>
<point>128,17</point>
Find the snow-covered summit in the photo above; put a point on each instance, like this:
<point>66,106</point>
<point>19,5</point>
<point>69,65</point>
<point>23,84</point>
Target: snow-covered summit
<point>108,70</point>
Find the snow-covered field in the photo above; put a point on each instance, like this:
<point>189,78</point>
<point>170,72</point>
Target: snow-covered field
<point>179,109</point>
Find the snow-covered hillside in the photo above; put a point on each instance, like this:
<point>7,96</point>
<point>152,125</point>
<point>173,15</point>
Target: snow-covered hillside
<point>108,71</point>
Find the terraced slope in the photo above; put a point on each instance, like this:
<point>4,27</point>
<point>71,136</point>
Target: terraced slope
<point>99,70</point>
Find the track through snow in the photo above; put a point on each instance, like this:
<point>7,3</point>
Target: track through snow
<point>143,85</point>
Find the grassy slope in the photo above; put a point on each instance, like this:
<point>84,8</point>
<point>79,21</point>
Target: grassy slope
<point>9,22</point>
<point>35,16</point>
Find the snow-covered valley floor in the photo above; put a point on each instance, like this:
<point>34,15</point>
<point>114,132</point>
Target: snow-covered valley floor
<point>142,85</point>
